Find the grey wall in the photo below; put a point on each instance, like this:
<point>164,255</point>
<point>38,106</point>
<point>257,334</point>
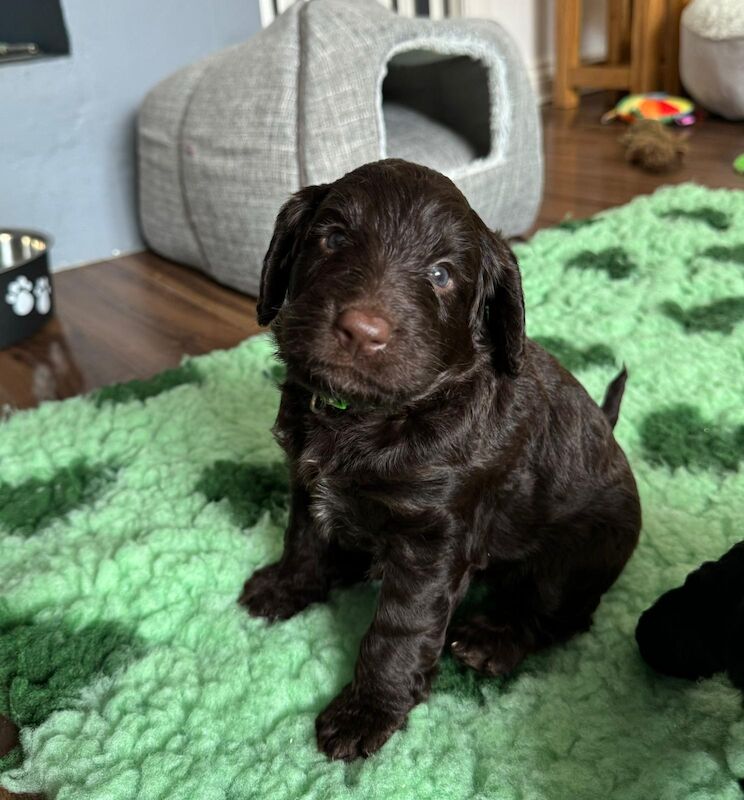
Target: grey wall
<point>67,159</point>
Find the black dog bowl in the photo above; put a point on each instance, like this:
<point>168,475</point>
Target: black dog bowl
<point>25,285</point>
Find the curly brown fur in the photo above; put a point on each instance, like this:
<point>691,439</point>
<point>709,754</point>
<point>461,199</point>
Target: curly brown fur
<point>653,147</point>
<point>467,452</point>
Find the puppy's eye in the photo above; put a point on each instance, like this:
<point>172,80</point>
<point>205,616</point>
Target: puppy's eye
<point>440,276</point>
<point>335,240</point>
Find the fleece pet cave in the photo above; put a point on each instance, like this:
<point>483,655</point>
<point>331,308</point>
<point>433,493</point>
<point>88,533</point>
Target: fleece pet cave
<point>330,85</point>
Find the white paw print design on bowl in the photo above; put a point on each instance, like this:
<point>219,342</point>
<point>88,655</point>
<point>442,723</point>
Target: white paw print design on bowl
<point>43,294</point>
<point>19,296</point>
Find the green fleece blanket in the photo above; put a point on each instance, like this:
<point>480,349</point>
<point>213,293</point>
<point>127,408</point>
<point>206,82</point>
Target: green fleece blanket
<point>130,518</point>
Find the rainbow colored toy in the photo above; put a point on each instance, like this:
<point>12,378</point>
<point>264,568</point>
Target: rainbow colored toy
<point>654,105</point>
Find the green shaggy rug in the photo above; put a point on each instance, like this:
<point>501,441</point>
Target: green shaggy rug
<point>130,518</point>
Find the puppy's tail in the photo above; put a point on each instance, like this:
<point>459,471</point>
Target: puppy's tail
<point>614,396</point>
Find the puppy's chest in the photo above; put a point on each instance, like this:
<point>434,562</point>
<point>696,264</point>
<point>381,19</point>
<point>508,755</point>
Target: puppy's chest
<point>347,496</point>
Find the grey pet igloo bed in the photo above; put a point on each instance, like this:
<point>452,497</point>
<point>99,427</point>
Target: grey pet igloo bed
<point>330,85</point>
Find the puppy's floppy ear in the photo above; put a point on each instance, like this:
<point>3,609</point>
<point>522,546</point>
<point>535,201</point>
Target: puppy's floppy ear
<point>290,229</point>
<point>500,302</point>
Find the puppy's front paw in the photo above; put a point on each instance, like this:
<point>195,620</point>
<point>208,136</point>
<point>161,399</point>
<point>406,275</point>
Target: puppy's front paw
<point>271,594</point>
<point>354,726</point>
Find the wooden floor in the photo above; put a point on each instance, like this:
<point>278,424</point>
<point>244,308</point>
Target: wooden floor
<point>136,315</point>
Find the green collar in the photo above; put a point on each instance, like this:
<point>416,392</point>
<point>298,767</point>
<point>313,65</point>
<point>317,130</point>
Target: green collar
<point>319,401</point>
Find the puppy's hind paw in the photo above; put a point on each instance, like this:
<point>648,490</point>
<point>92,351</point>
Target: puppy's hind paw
<point>487,648</point>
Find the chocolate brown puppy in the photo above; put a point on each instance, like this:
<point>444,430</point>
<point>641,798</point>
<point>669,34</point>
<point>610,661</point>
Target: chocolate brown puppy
<point>430,444</point>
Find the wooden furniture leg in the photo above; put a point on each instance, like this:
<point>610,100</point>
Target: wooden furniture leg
<point>618,38</point>
<point>647,37</point>
<point>567,47</point>
<point>618,31</point>
<point>672,82</point>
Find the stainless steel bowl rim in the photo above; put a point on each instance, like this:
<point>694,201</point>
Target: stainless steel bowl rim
<point>35,234</point>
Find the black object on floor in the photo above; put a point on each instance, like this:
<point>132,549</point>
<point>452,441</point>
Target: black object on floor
<point>697,629</point>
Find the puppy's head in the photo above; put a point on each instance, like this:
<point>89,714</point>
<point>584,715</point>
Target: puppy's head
<point>386,282</point>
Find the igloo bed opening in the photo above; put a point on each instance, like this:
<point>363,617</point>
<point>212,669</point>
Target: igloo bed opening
<point>330,85</point>
<point>436,109</point>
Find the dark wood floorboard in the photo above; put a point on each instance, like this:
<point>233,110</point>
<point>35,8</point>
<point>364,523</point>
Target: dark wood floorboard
<point>586,171</point>
<point>133,316</point>
<point>118,320</point>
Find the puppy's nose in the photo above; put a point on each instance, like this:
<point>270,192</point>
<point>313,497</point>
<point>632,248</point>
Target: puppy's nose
<point>359,331</point>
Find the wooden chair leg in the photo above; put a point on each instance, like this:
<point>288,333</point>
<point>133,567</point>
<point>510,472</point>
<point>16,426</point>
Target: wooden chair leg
<point>567,52</point>
<point>647,45</point>
<point>672,83</point>
<point>618,31</point>
<point>618,40</point>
